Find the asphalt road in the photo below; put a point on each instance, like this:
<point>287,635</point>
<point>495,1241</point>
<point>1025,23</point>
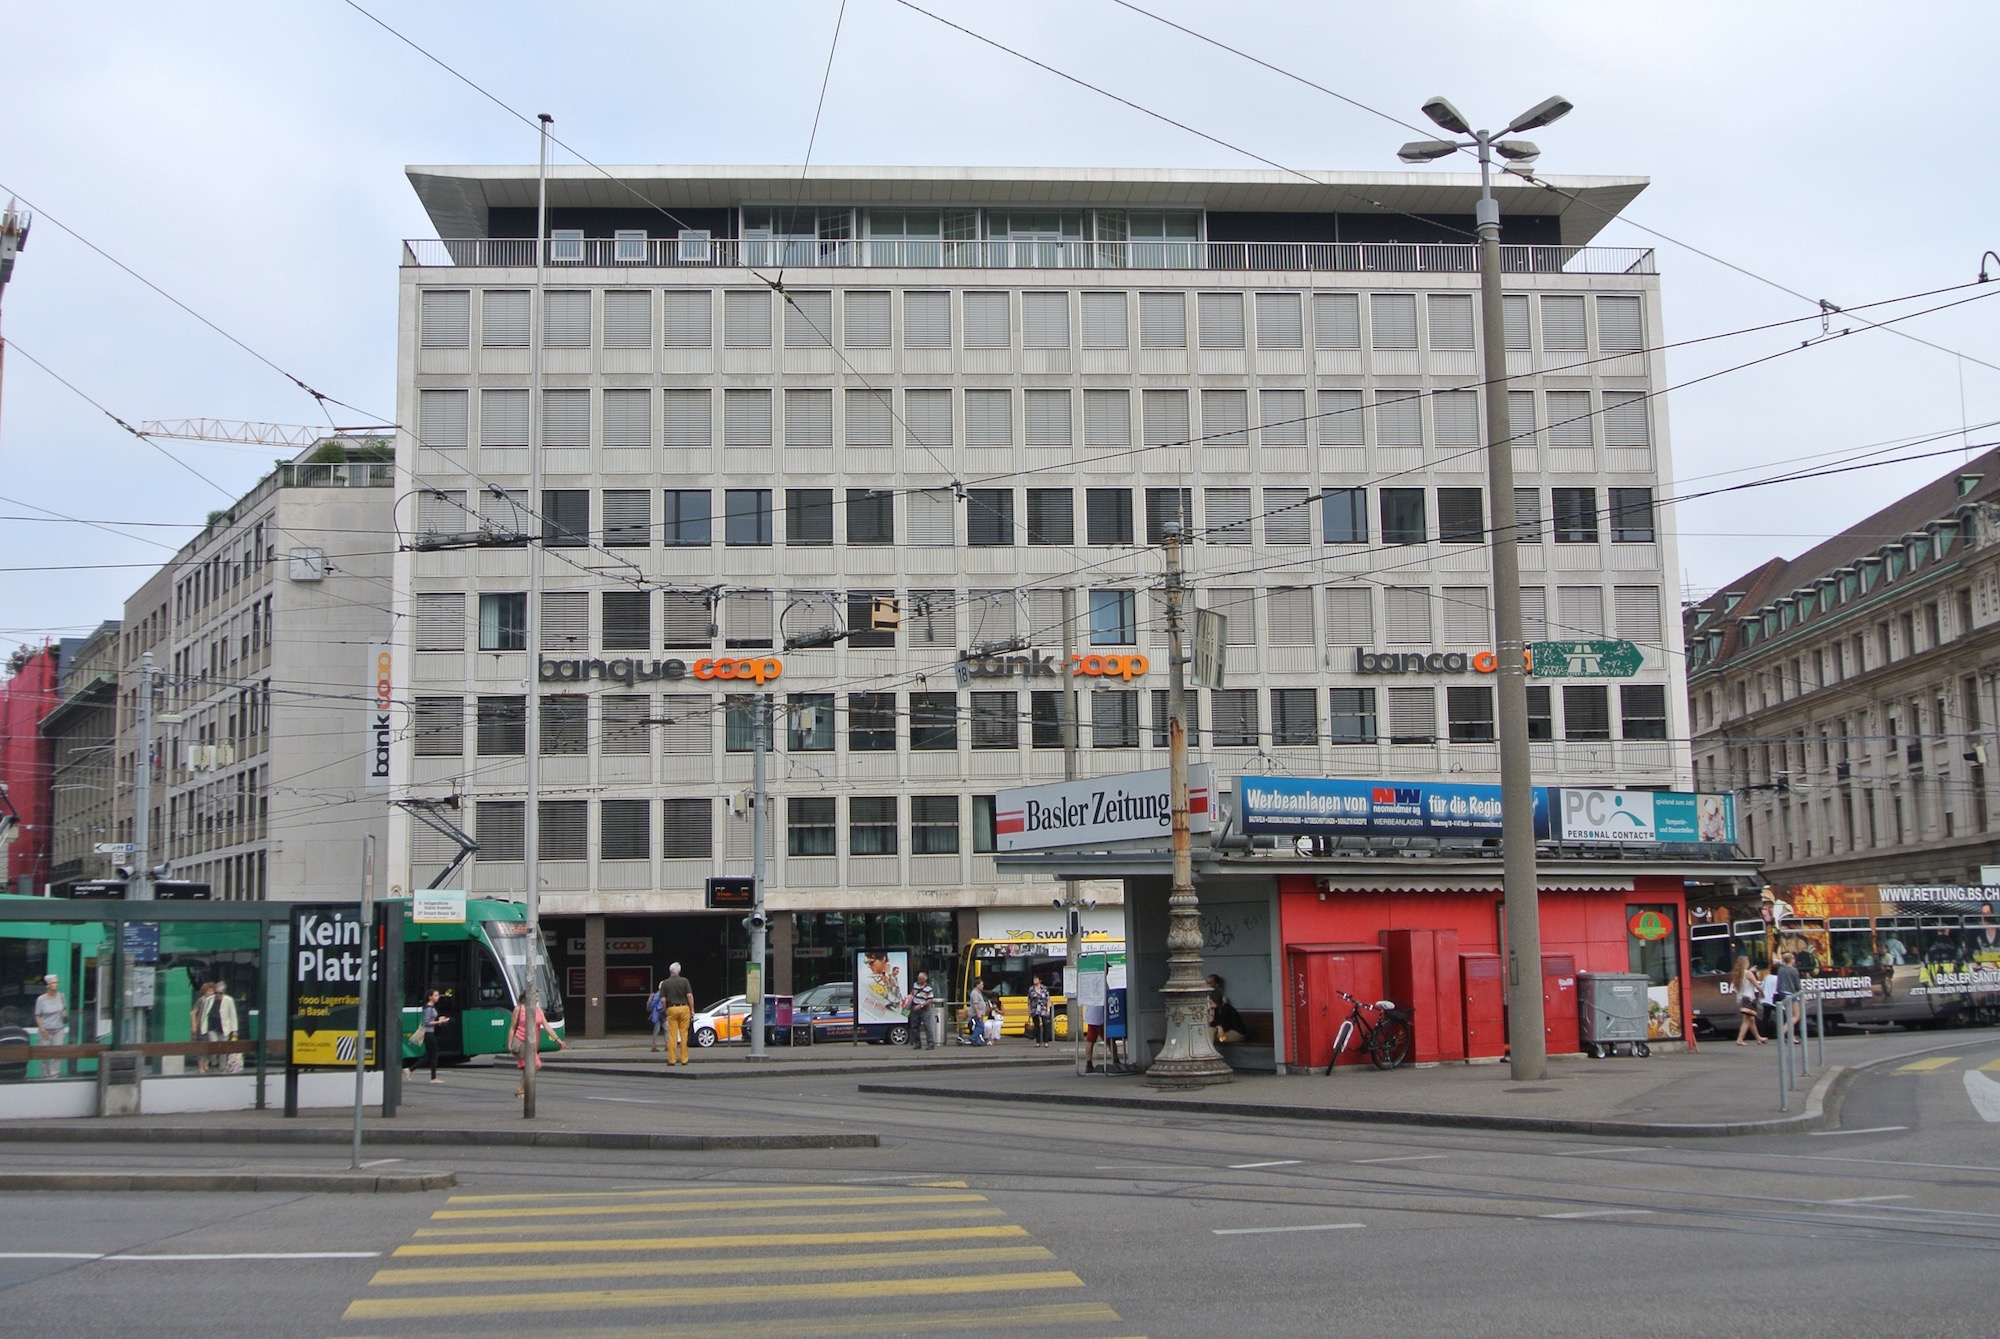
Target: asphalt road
<point>976,1219</point>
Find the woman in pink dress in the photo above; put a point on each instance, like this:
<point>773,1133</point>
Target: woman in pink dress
<point>518,1042</point>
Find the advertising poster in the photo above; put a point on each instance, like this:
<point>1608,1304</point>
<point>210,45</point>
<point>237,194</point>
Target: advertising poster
<point>1331,807</point>
<point>879,985</point>
<point>1114,997</point>
<point>324,985</point>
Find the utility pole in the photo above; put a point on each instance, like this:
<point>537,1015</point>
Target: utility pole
<point>1527,1039</point>
<point>1189,1058</point>
<point>139,887</point>
<point>1072,903</point>
<point>531,826</point>
<point>361,1007</point>
<point>753,973</point>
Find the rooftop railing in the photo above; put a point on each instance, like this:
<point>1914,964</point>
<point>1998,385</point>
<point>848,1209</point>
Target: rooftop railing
<point>875,253</point>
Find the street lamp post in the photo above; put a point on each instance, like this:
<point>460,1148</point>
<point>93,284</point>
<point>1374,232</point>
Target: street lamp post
<point>1527,1042</point>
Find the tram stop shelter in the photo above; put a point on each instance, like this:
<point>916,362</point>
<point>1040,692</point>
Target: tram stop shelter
<point>1393,890</point>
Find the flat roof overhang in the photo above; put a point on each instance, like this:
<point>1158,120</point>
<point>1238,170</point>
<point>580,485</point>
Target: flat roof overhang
<point>1377,874</point>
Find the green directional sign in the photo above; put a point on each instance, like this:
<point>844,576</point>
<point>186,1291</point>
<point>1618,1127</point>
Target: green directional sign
<point>1585,660</point>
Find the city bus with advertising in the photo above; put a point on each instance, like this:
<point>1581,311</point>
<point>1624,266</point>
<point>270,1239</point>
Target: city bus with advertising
<point>1916,956</point>
<point>1005,968</point>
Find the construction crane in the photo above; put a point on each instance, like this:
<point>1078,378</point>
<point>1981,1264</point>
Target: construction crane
<point>252,434</point>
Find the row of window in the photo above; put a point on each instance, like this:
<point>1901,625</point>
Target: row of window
<point>687,827</point>
<point>758,619</point>
<point>990,319</point>
<point>937,417</point>
<point>939,722</point>
<point>1049,517</point>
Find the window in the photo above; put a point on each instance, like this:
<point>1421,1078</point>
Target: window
<point>1166,418</point>
<point>565,517</point>
<point>1114,618</point>
<point>1287,516</point>
<point>934,825</point>
<point>869,420</point>
<point>746,418</point>
<point>933,722</point>
<point>926,320</point>
<point>1163,711</point>
<point>1351,717</point>
<point>1168,506</point>
<point>1618,325</point>
<point>1344,515</point>
<point>624,724</point>
<point>1288,615</point>
<point>1541,715</point>
<point>1162,321</point>
<point>746,319</point>
<point>688,316</point>
<point>1336,321</point>
<point>503,319</point>
<point>746,516</point>
<point>628,317</point>
<point>1638,612</point>
<point>1528,515</point>
<point>628,518</point>
<point>1580,611</point>
<point>1461,515</point>
<point>1225,418</point>
<point>441,422</point>
<point>809,722</point>
<point>809,418</point>
<point>1044,320</point>
<point>1407,611</point>
<point>1104,321</point>
<point>871,516</point>
<point>1562,321</point>
<point>1412,716</point>
<point>1570,419</point>
<point>684,519</point>
<point>932,518</point>
<point>628,620</point>
<point>1114,718</point>
<point>566,418</point>
<point>985,829</point>
<point>1294,716</point>
<point>808,517</point>
<point>625,830</point>
<point>1642,710</point>
<point>1340,421</point>
<point>1631,516</point>
<point>1625,418</point>
<point>567,318</point>
<point>1282,417</point>
<point>988,320</point>
<point>687,723</point>
<point>808,320</point>
<point>686,619</point>
<point>871,722</point>
<point>809,827</point>
<point>1107,418</point>
<point>1451,322</point>
<point>1051,516</point>
<point>1048,417</point>
<point>995,721</point>
<point>441,622</point>
<point>1575,515</point>
<point>1108,515</point>
<point>1227,511</point>
<point>1220,320</point>
<point>1465,621</point>
<point>1045,719</point>
<point>503,727</point>
<point>1469,714</point>
<point>1586,711</point>
<point>1403,520</point>
<point>503,622</point>
<point>446,318</point>
<point>743,719</point>
<point>687,830</point>
<point>1350,616</point>
<point>1233,713</point>
<point>1521,420</point>
<point>989,418</point>
<point>1455,417</point>
<point>860,616</point>
<point>439,727</point>
<point>1399,418</point>
<point>1514,316</point>
<point>498,825</point>
<point>989,518</point>
<point>871,825</point>
<point>1393,319</point>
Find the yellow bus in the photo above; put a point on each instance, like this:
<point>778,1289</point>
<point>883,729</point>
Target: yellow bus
<point>1007,967</point>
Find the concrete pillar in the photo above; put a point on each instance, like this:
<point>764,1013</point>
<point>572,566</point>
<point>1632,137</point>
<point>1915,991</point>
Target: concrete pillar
<point>593,976</point>
<point>783,935</point>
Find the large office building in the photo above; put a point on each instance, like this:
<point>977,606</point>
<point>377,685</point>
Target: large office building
<point>978,392</point>
<point>268,632</point>
<point>1847,695</point>
<point>82,735</point>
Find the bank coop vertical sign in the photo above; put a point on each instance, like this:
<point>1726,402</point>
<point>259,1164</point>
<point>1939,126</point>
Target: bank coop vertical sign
<point>381,669</point>
<point>323,994</point>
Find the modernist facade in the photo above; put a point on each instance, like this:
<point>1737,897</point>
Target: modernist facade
<point>1847,695</point>
<point>83,737</point>
<point>977,392</point>
<point>267,631</point>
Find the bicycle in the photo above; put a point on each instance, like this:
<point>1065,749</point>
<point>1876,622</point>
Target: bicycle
<point>1384,1031</point>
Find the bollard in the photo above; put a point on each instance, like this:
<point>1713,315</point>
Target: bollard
<point>1819,1016</point>
<point>1784,1060</point>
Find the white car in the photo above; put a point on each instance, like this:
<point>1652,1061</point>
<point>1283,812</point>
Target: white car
<point>721,1021</point>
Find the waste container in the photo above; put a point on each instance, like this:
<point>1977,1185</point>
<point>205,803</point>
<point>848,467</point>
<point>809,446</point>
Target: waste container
<point>119,1074</point>
<point>1611,1009</point>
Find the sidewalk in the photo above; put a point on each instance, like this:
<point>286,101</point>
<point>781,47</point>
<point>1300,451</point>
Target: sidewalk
<point>1722,1089</point>
<point>630,1055</point>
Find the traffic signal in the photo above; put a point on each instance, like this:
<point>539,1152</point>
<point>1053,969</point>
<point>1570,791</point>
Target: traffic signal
<point>885,614</point>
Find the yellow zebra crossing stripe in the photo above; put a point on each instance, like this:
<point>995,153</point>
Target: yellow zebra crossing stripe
<point>488,1304</point>
<point>618,1269</point>
<point>1927,1064</point>
<point>1002,1318</point>
<point>1991,1067</point>
<point>753,1239</point>
<point>698,1206</point>
<point>801,1220</point>
<point>678,1192</point>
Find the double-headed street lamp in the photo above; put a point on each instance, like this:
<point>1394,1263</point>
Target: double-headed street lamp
<point>1526,1041</point>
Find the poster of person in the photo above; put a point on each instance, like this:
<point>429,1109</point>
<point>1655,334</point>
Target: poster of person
<point>879,986</point>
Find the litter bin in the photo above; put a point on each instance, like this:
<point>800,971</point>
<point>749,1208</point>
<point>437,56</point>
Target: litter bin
<point>1611,1008</point>
<point>119,1074</point>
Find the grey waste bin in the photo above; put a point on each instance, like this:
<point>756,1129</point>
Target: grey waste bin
<point>1612,1012</point>
<point>119,1075</point>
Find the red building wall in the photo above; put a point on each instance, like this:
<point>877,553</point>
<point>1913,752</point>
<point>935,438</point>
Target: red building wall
<point>27,761</point>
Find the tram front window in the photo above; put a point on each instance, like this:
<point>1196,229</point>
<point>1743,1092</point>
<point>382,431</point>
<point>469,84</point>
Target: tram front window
<point>510,946</point>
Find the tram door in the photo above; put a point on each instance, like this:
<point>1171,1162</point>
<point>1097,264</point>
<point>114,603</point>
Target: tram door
<point>441,967</point>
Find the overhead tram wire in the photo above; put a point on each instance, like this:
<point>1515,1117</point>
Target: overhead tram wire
<point>77,391</point>
<point>812,139</point>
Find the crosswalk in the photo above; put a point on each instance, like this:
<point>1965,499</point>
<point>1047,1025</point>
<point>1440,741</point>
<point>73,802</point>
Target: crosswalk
<point>795,1260</point>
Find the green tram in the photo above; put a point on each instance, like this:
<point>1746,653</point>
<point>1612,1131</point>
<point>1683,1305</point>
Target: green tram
<point>478,967</point>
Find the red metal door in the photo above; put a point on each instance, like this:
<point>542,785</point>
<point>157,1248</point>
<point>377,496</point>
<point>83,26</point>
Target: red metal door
<point>1484,993</point>
<point>1411,969</point>
<point>1559,1018</point>
<point>1313,973</point>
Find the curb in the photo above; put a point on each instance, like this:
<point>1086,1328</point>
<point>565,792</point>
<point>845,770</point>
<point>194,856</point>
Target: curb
<point>80,1133</point>
<point>789,1069</point>
<point>1821,1110</point>
<point>287,1182</point>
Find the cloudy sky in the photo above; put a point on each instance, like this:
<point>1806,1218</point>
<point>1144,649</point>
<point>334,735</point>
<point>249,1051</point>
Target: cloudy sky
<point>248,158</point>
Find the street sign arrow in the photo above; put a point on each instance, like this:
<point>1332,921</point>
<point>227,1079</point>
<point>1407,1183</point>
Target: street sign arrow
<point>114,848</point>
<point>1585,660</point>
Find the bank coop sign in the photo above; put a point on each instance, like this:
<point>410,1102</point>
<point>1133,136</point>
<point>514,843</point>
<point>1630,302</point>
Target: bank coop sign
<point>628,671</point>
<point>1043,665</point>
<point>381,664</point>
<point>1428,662</point>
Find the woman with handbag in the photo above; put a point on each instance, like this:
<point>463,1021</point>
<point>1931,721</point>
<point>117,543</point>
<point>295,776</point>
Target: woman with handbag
<point>427,1034</point>
<point>1041,1013</point>
<point>517,1042</point>
<point>1747,988</point>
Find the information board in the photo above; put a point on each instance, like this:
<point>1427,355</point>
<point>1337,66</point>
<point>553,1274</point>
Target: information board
<point>323,986</point>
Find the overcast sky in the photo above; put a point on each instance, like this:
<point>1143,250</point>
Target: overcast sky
<point>248,158</point>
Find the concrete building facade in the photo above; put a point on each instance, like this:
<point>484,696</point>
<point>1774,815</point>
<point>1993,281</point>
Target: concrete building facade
<point>83,738</point>
<point>974,392</point>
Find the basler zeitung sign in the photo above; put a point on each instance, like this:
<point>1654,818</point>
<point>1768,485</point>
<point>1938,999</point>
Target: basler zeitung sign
<point>324,986</point>
<point>1137,806</point>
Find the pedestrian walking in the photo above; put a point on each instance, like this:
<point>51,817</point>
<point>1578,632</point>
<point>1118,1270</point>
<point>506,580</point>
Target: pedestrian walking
<point>1041,1013</point>
<point>522,1048</point>
<point>198,1022</point>
<point>678,997</point>
<point>222,1027</point>
<point>975,1013</point>
<point>51,1020</point>
<point>1789,988</point>
<point>919,1002</point>
<point>427,1034</point>
<point>1744,984</point>
<point>1767,998</point>
<point>656,1014</point>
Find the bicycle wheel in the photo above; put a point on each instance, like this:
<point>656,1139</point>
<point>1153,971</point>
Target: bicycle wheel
<point>1390,1045</point>
<point>1340,1041</point>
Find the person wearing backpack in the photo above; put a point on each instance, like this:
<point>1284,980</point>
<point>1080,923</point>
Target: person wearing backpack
<point>656,1013</point>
